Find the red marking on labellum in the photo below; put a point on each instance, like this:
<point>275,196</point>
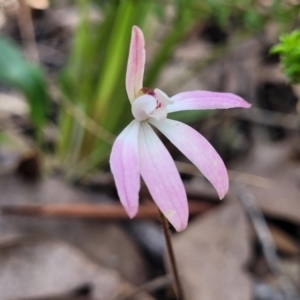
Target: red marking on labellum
<point>146,91</point>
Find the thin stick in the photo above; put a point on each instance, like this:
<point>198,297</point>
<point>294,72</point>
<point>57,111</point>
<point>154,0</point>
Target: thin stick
<point>165,224</point>
<point>268,247</point>
<point>107,211</point>
<point>27,32</point>
<point>150,286</point>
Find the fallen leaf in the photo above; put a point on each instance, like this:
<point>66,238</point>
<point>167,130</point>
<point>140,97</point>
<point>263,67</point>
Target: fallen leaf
<point>42,267</point>
<point>211,254</point>
<point>99,240</point>
<point>284,242</point>
<point>281,199</point>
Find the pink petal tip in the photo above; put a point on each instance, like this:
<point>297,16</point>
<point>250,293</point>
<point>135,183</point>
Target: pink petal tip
<point>136,63</point>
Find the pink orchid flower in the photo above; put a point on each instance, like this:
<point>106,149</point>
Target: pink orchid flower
<point>138,150</point>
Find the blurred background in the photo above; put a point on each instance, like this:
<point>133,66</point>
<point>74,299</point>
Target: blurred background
<point>63,232</point>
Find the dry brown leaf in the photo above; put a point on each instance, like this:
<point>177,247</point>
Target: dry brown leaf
<point>284,242</point>
<point>98,240</point>
<point>42,267</point>
<point>212,253</point>
<point>292,269</point>
<point>271,161</point>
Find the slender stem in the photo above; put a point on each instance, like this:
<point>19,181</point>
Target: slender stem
<point>165,224</point>
<point>27,31</point>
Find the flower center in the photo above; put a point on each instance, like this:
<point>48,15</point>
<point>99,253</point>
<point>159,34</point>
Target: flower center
<point>150,104</point>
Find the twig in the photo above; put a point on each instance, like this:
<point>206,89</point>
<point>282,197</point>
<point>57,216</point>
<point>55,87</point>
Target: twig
<point>268,247</point>
<point>92,211</point>
<point>150,286</point>
<point>27,31</point>
<point>165,225</point>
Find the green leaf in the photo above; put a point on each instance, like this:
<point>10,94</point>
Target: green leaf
<point>289,51</point>
<point>27,77</point>
<point>191,116</point>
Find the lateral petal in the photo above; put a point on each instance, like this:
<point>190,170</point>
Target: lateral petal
<point>135,64</point>
<point>205,100</point>
<point>198,150</point>
<point>162,178</point>
<point>124,164</point>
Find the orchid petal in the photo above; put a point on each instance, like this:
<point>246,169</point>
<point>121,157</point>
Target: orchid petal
<point>124,164</point>
<point>143,106</point>
<point>136,64</point>
<point>159,114</point>
<point>162,178</point>
<point>205,100</point>
<point>163,97</point>
<point>198,150</point>
<point>163,100</point>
